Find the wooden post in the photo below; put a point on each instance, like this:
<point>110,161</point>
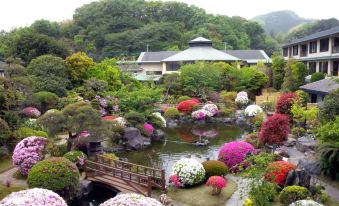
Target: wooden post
<point>149,186</point>
<point>163,181</point>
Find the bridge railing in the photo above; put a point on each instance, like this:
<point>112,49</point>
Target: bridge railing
<point>139,174</point>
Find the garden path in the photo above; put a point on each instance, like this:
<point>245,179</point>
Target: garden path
<point>295,156</point>
<point>241,194</point>
<point>8,176</point>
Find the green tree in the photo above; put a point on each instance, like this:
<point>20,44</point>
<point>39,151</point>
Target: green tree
<point>199,78</point>
<point>330,108</point>
<point>299,72</point>
<point>78,63</point>
<point>49,73</point>
<point>171,83</point>
<point>43,101</point>
<point>46,27</point>
<point>289,80</point>
<point>107,70</point>
<point>278,65</point>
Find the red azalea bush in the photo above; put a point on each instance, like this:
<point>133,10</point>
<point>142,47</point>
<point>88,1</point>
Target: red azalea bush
<point>277,171</point>
<point>285,102</point>
<point>108,118</point>
<point>187,105</point>
<point>217,183</point>
<point>175,181</point>
<point>234,153</point>
<point>275,129</point>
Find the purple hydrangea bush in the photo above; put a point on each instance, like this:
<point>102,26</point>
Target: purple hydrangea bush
<point>28,152</point>
<point>31,112</point>
<point>130,199</point>
<point>234,153</point>
<point>31,197</point>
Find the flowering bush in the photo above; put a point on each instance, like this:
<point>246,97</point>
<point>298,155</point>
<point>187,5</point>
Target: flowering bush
<point>77,157</point>
<point>195,100</point>
<point>109,118</point>
<point>189,171</point>
<point>171,113</point>
<point>285,103</point>
<point>186,106</point>
<point>200,114</point>
<point>120,121</point>
<point>31,112</point>
<point>57,174</point>
<point>305,203</point>
<point>217,183</point>
<point>275,129</point>
<point>28,152</point>
<point>160,117</point>
<point>130,199</point>
<point>293,193</point>
<point>234,153</point>
<point>84,134</point>
<point>253,110</point>
<point>174,180</point>
<point>35,196</point>
<point>243,94</point>
<point>277,171</point>
<point>242,100</point>
<point>148,129</point>
<point>211,108</point>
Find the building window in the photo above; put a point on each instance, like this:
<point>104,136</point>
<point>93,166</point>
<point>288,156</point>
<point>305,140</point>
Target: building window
<point>312,67</point>
<point>172,66</point>
<point>323,67</point>
<point>153,72</point>
<point>285,52</point>
<point>324,45</point>
<point>313,47</point>
<point>295,50</point>
<point>303,51</point>
<point>314,98</point>
<point>335,48</point>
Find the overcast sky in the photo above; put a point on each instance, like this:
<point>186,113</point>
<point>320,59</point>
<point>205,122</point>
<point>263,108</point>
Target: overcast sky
<point>17,13</point>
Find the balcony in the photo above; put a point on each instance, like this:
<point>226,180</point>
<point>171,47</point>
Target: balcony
<point>303,54</point>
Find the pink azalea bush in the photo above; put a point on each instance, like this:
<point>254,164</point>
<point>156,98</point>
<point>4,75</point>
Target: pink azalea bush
<point>175,181</point>
<point>31,112</point>
<point>211,108</point>
<point>149,129</point>
<point>28,152</point>
<point>234,153</point>
<point>217,183</point>
<point>199,114</point>
<point>131,199</point>
<point>32,197</point>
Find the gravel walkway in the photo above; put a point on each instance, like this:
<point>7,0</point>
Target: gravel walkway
<point>8,176</point>
<point>240,195</point>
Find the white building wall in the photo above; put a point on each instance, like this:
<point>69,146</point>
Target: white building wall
<point>150,67</point>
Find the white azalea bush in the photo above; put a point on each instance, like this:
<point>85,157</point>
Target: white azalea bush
<point>253,110</point>
<point>131,199</point>
<point>120,121</point>
<point>160,117</point>
<point>211,108</point>
<point>242,98</point>
<point>35,196</point>
<point>189,171</point>
<point>305,203</point>
<point>201,114</point>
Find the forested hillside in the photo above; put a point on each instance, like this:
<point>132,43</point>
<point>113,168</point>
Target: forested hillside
<point>118,27</point>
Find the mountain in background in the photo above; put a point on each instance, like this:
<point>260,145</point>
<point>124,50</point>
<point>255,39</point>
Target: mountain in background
<point>280,21</point>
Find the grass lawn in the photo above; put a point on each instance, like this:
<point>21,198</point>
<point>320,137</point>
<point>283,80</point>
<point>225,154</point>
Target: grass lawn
<point>4,191</point>
<point>201,195</point>
<point>5,163</point>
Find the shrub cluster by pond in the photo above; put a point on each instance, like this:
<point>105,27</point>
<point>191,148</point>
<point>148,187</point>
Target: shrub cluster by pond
<point>31,112</point>
<point>285,103</point>
<point>217,183</point>
<point>277,171</point>
<point>171,113</point>
<point>35,196</point>
<point>234,153</point>
<point>253,110</point>
<point>77,157</point>
<point>131,199</point>
<point>274,129</point>
<point>187,105</point>
<point>215,168</point>
<point>189,172</point>
<point>28,152</point>
<point>242,99</point>
<point>57,174</point>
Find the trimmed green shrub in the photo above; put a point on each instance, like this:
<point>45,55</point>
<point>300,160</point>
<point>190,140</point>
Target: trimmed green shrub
<point>298,131</point>
<point>57,174</point>
<point>111,156</point>
<point>317,76</point>
<point>329,159</point>
<point>302,97</point>
<point>172,113</point>
<point>43,101</point>
<point>135,118</point>
<point>24,132</point>
<point>77,157</point>
<point>183,98</point>
<point>291,194</point>
<point>214,168</point>
<point>57,150</point>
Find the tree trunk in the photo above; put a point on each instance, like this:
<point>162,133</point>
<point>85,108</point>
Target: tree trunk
<point>70,139</point>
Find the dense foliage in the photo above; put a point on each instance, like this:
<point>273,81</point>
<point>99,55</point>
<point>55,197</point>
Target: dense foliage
<point>291,194</point>
<point>330,107</point>
<point>215,168</point>
<point>328,154</point>
<point>57,174</point>
<point>277,171</point>
<point>274,130</point>
<point>317,76</point>
<point>285,102</point>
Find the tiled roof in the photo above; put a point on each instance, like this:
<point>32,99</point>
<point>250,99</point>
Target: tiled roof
<point>323,86</point>
<point>316,35</point>
<point>155,56</point>
<point>247,54</point>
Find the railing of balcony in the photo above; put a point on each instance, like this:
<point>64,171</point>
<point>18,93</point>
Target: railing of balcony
<point>303,53</point>
<point>335,49</point>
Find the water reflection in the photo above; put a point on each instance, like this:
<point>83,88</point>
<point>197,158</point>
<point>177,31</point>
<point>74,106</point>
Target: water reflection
<point>99,195</point>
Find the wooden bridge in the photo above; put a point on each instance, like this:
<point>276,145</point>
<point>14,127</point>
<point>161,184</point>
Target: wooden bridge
<point>125,176</point>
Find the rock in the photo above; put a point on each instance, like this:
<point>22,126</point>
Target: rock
<point>241,121</point>
<point>304,144</point>
<point>290,142</point>
<point>158,135</point>
<point>310,165</point>
<point>298,177</point>
<point>135,140</point>
<point>171,123</point>
<point>228,120</point>
<point>165,200</point>
<point>86,187</point>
